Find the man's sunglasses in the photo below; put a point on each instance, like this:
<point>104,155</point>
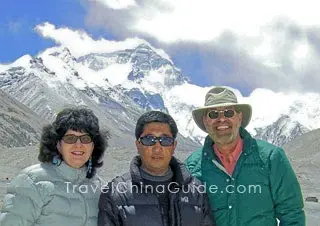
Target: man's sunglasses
<point>214,114</point>
<point>71,139</point>
<point>150,140</point>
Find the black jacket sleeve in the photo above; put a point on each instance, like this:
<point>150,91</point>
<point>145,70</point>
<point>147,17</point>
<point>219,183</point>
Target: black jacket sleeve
<point>207,219</point>
<point>108,215</point>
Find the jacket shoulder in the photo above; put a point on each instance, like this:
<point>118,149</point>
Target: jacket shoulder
<point>36,177</point>
<point>118,183</point>
<point>27,190</point>
<point>124,178</point>
<point>193,163</point>
<point>261,147</point>
<point>267,150</point>
<point>265,146</point>
<point>270,154</point>
<point>38,172</point>
<point>195,181</point>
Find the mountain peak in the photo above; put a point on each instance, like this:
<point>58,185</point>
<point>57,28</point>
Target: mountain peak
<point>64,54</point>
<point>143,46</point>
<point>23,61</point>
<point>281,131</point>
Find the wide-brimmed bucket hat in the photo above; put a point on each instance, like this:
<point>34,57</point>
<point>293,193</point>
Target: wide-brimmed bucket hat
<point>221,97</point>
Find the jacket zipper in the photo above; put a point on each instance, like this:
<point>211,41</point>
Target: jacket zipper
<point>85,210</point>
<point>161,211</point>
<point>221,167</point>
<point>84,202</point>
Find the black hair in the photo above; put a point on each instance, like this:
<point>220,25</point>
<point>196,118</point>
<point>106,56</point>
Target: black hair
<point>155,116</point>
<point>77,119</point>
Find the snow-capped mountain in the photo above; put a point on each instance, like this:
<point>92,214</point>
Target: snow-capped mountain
<point>140,73</point>
<point>120,85</point>
<point>282,131</point>
<point>280,117</point>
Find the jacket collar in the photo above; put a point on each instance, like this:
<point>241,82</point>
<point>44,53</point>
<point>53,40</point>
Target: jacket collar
<point>180,173</point>
<point>69,173</point>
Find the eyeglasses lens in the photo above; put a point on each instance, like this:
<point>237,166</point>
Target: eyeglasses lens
<point>151,140</point>
<point>71,139</point>
<point>228,113</point>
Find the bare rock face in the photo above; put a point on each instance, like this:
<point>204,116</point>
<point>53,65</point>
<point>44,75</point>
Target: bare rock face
<point>19,125</point>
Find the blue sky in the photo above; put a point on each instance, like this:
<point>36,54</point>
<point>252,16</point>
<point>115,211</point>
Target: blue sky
<point>19,18</point>
<point>269,46</point>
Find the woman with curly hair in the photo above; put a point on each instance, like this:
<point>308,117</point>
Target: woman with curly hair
<point>64,188</point>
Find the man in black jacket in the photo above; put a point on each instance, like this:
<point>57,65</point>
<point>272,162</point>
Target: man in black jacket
<point>158,190</point>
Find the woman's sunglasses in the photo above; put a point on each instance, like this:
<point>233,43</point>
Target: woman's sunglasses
<point>214,114</point>
<point>71,139</point>
<point>150,140</point>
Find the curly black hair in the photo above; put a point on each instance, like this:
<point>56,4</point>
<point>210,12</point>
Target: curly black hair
<point>155,116</point>
<point>77,119</point>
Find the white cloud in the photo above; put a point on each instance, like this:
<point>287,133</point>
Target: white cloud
<point>205,20</point>
<point>117,4</point>
<point>271,44</point>
<point>80,43</point>
<point>268,106</point>
<point>192,94</point>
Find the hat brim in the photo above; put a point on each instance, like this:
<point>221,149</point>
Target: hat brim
<point>198,114</point>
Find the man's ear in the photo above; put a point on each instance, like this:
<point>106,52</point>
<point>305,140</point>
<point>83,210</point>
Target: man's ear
<point>174,146</point>
<point>138,146</point>
<point>204,119</point>
<point>240,116</point>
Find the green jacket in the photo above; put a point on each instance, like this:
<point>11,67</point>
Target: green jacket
<point>49,195</point>
<point>262,188</point>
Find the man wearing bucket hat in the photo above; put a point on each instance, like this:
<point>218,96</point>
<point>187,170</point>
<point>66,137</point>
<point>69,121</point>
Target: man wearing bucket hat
<point>250,182</point>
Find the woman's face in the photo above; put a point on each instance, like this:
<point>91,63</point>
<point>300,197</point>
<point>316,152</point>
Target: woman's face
<point>75,148</point>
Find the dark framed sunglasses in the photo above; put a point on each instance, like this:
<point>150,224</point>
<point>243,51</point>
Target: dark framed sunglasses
<point>150,140</point>
<point>214,114</point>
<point>71,139</point>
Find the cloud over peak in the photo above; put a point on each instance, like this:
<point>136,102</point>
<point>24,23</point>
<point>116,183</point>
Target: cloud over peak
<point>81,43</point>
